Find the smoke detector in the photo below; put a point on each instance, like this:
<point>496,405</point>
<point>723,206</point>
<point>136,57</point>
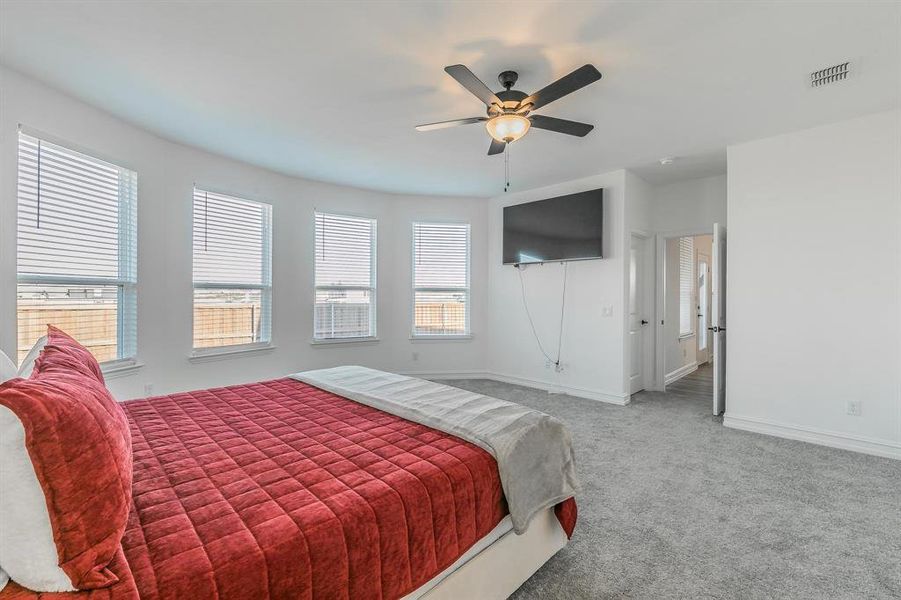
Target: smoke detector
<point>829,75</point>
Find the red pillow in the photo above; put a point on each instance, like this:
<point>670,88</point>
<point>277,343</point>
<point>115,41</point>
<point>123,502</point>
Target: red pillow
<point>79,443</point>
<point>67,355</point>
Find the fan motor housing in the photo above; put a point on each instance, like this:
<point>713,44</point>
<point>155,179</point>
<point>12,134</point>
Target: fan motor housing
<point>511,100</point>
<point>511,96</point>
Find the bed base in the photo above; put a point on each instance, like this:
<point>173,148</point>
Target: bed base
<point>499,569</point>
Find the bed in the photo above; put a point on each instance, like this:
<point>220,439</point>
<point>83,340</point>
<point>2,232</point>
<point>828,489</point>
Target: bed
<point>282,489</point>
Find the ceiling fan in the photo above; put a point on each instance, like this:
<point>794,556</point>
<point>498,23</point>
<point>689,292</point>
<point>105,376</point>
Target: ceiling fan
<point>509,111</point>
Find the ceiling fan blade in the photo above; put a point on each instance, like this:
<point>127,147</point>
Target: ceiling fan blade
<point>446,124</point>
<point>467,79</point>
<point>561,125</point>
<point>567,84</point>
<point>496,147</point>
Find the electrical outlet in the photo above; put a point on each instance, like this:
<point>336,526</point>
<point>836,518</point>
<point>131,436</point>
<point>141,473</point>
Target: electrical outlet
<point>148,389</point>
<point>853,408</point>
<point>558,368</point>
<point>607,311</point>
<point>415,356</point>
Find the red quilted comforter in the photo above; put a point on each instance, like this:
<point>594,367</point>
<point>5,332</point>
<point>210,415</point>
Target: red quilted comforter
<point>279,489</point>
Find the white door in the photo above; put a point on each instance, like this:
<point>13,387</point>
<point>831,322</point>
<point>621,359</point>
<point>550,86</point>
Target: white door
<point>703,316</point>
<point>637,319</point>
<point>718,317</point>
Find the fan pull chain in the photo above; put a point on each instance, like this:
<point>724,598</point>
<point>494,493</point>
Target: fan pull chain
<point>506,167</point>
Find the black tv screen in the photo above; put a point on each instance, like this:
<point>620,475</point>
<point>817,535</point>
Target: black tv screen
<point>563,228</point>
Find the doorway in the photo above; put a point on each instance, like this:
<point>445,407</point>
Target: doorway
<point>690,314</point>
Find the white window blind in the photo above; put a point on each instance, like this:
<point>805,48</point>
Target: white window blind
<point>232,270</point>
<point>440,279</point>
<point>686,285</point>
<point>345,277</point>
<point>76,249</point>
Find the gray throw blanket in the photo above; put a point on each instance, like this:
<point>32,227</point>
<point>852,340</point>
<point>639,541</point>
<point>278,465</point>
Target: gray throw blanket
<point>533,450</point>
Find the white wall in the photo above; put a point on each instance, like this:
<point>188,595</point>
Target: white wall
<point>593,351</point>
<point>814,284</point>
<point>166,175</point>
<point>640,204</point>
<point>639,200</point>
<point>689,206</point>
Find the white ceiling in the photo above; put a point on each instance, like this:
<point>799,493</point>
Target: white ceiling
<point>331,91</point>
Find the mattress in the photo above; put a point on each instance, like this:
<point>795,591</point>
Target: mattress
<point>279,489</point>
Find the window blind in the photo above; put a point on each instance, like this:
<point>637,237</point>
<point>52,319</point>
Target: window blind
<point>232,270</point>
<point>686,285</point>
<point>345,277</point>
<point>76,249</point>
<point>440,279</point>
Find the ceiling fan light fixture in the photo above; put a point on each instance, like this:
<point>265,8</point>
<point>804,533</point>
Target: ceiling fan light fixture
<point>508,127</point>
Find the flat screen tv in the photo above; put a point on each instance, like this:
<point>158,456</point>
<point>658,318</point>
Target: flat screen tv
<point>557,229</point>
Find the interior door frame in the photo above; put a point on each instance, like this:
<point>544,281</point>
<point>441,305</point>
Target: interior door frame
<point>660,299</point>
<point>649,371</point>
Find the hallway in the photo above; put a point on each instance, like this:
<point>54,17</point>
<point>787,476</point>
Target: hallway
<point>697,385</point>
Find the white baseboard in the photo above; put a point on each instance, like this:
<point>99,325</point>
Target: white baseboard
<point>553,388</point>
<point>681,372</point>
<point>812,435</point>
<point>447,374</point>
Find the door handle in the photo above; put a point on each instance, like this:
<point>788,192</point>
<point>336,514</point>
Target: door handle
<point>716,329</point>
<point>643,322</point>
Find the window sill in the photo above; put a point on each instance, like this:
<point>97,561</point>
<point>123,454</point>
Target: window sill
<point>120,368</point>
<point>226,352</point>
<point>339,341</point>
<point>441,338</point>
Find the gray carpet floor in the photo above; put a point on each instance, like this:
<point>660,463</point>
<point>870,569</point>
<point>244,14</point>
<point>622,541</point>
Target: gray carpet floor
<point>674,505</point>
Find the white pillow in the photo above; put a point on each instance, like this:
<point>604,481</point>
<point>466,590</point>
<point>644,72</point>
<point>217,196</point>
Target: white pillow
<point>27,365</point>
<point>7,371</point>
<point>27,550</point>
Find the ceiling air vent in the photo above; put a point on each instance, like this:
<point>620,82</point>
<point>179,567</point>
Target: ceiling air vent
<point>829,75</point>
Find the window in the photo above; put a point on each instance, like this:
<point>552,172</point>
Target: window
<point>76,255</point>
<point>686,285</point>
<point>440,279</point>
<point>345,278</point>
<point>232,271</point>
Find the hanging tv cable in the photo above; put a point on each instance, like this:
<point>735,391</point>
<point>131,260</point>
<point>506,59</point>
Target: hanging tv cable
<point>525,304</point>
